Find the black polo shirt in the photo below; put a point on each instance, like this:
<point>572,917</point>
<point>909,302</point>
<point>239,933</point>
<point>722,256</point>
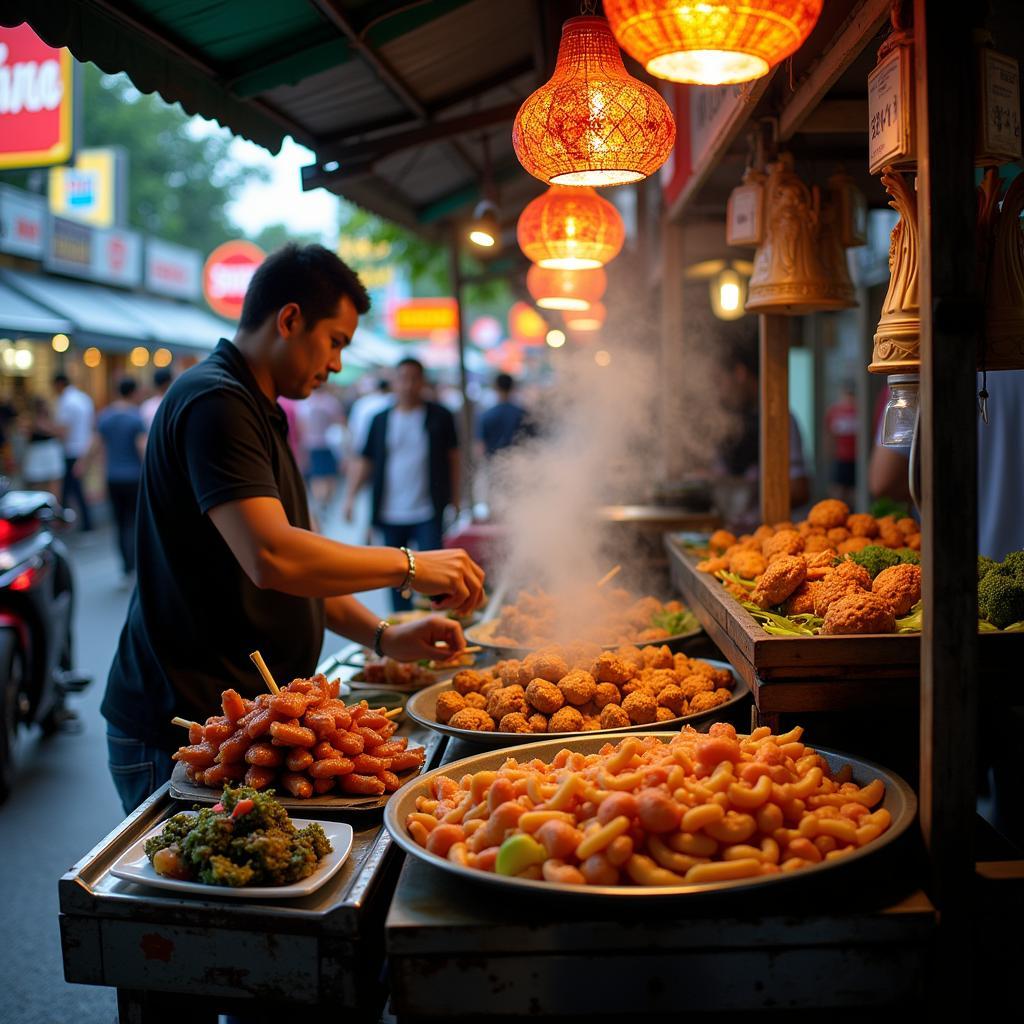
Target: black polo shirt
<point>195,615</point>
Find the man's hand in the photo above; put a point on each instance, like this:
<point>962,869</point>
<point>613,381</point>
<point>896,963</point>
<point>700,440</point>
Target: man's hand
<point>413,641</point>
<point>453,574</point>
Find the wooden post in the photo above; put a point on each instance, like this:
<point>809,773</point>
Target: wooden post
<point>673,345</point>
<point>773,334</point>
<point>465,499</point>
<point>946,198</point>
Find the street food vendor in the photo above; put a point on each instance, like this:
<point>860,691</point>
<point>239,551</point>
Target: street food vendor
<point>227,558</point>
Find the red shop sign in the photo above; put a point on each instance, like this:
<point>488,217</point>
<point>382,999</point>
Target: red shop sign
<point>227,273</point>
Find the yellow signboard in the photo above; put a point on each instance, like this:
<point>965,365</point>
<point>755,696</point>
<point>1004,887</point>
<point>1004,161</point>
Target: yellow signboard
<point>87,190</point>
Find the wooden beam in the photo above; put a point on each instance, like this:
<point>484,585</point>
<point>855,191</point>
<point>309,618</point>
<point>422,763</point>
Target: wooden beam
<point>860,28</point>
<point>773,338</point>
<point>674,342</point>
<point>836,117</point>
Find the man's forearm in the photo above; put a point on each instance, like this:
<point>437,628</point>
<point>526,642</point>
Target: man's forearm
<point>358,476</point>
<point>349,618</point>
<point>456,476</point>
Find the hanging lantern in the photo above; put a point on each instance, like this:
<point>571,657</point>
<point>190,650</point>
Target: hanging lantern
<point>525,325</point>
<point>588,320</point>
<point>718,43</point>
<point>592,123</point>
<point>570,229</point>
<point>566,289</point>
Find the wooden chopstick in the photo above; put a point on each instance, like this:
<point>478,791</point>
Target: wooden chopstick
<point>609,576</point>
<point>257,659</point>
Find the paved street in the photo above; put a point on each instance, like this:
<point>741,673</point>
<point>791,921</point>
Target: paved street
<point>63,804</point>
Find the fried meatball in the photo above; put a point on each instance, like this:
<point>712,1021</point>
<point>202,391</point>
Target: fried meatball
<point>506,701</point>
<point>719,676</point>
<point>857,573</point>
<point>720,540</point>
<point>641,707</point>
<point>591,723</point>
<point>860,524</point>
<point>913,541</point>
<point>829,513</point>
<point>762,533</point>
<point>784,542</point>
<point>908,525</point>
<point>582,655</point>
<point>491,685</point>
<point>472,718</point>
<point>658,657</point>
<point>514,722</point>
<point>546,664</point>
<point>890,537</point>
<point>508,671</point>
<point>657,679</point>
<point>611,669</point>
<point>900,585</point>
<point>606,693</point>
<point>779,580</point>
<point>860,612</point>
<point>801,601</point>
<point>613,717</point>
<point>816,544</point>
<point>692,685</point>
<point>837,535</point>
<point>664,715</point>
<point>748,564</point>
<point>538,722</point>
<point>673,698</point>
<point>848,547</point>
<point>475,700</point>
<point>707,700</point>
<point>469,680</point>
<point>577,687</point>
<point>568,719</point>
<point>544,696</point>
<point>630,654</point>
<point>447,704</point>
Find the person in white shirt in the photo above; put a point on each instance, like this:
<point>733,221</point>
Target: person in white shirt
<point>76,417</point>
<point>161,382</point>
<point>364,409</point>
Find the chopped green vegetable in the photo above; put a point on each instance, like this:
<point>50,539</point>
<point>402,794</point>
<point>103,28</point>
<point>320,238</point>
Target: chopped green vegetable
<point>887,507</point>
<point>875,558</point>
<point>674,623</point>
<point>517,853</point>
<point>1000,599</point>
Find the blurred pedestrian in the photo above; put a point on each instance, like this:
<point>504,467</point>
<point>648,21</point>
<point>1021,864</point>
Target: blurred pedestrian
<point>841,425</point>
<point>364,409</point>
<point>504,423</point>
<point>161,382</point>
<point>317,415</point>
<point>76,417</point>
<point>123,433</point>
<point>42,464</point>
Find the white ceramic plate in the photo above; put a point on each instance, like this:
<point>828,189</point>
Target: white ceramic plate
<point>134,866</point>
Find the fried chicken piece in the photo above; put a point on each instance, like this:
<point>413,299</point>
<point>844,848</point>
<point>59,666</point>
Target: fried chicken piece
<point>891,537</point>
<point>820,559</point>
<point>577,687</point>
<point>860,524</point>
<point>448,703</point>
<point>859,612</point>
<point>719,676</point>
<point>538,722</point>
<point>507,700</point>
<point>664,715</point>
<point>514,722</point>
<point>848,547</point>
<point>591,723</point>
<point>568,719</point>
<point>816,544</point>
<point>900,585</point>
<point>469,680</point>
<point>613,717</point>
<point>762,533</point>
<point>658,657</point>
<point>787,525</point>
<point>491,685</point>
<point>801,601</point>
<point>829,513</point>
<point>708,700</point>
<point>740,592</point>
<point>720,540</point>
<point>475,700</point>
<point>834,586</point>
<point>546,664</point>
<point>544,696</point>
<point>837,535</point>
<point>913,541</point>
<point>673,698</point>
<point>779,580</point>
<point>852,571</point>
<point>908,525</point>
<point>657,679</point>
<point>748,564</point>
<point>630,654</point>
<point>472,718</point>
<point>641,707</point>
<point>608,668</point>
<point>784,542</point>
<point>508,671</point>
<point>645,636</point>
<point>606,693</point>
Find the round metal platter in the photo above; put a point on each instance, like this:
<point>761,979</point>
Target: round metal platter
<point>900,801</point>
<point>481,636</point>
<point>420,708</point>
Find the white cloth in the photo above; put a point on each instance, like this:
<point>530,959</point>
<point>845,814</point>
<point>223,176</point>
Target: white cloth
<point>148,409</point>
<point>43,462</point>
<point>76,414</point>
<point>361,416</point>
<point>406,474</point>
<point>316,415</point>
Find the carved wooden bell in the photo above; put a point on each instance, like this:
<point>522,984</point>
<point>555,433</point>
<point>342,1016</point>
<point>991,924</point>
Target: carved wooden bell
<point>1002,250</point>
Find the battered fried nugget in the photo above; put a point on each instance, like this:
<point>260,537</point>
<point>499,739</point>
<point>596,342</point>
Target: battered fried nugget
<point>778,581</point>
<point>908,525</point>
<point>475,700</point>
<point>913,541</point>
<point>630,654</point>
<point>673,698</point>
<point>848,547</point>
<point>606,693</point>
<point>719,676</point>
<point>664,715</point>
<point>538,722</point>
<point>591,723</point>
<point>708,700</point>
<point>448,703</point>
<point>900,585</point>
<point>860,612</point>
<point>608,668</point>
<point>820,559</point>
<point>469,680</point>
<point>720,540</point>
<point>748,564</point>
<point>787,525</point>
<point>544,696</point>
<point>508,671</point>
<point>613,717</point>
<point>514,722</point>
<point>472,718</point>
<point>891,537</point>
<point>860,524</point>
<point>568,719</point>
<point>784,542</point>
<point>507,700</point>
<point>837,535</point>
<point>817,543</point>
<point>829,513</point>
<point>852,571</point>
<point>834,586</point>
<point>546,664</point>
<point>491,685</point>
<point>641,707</point>
<point>577,687</point>
<point>656,679</point>
<point>801,601</point>
<point>762,533</point>
<point>658,657</point>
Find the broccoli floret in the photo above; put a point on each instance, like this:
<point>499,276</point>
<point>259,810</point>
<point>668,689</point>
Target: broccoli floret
<point>985,566</point>
<point>1013,565</point>
<point>908,556</point>
<point>175,830</point>
<point>1000,600</point>
<point>223,871</point>
<point>875,558</point>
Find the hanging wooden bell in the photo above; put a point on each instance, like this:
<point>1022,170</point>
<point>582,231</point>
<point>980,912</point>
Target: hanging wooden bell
<point>898,337</point>
<point>789,275</point>
<point>999,228</point>
<point>843,224</point>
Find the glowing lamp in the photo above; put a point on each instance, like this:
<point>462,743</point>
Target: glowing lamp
<point>565,289</point>
<point>592,123</point>
<point>485,230</point>
<point>728,295</point>
<point>570,229</point>
<point>714,42</point>
<point>589,320</point>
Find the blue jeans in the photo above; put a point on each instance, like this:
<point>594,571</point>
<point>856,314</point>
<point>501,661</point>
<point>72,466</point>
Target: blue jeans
<point>73,491</point>
<point>136,768</point>
<point>422,536</point>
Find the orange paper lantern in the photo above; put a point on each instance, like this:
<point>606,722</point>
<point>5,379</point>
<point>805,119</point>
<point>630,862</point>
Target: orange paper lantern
<point>717,43</point>
<point>566,289</point>
<point>570,229</point>
<point>589,320</point>
<point>592,123</point>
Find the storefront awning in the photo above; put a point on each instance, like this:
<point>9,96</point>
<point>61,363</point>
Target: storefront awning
<point>175,324</point>
<point>20,315</point>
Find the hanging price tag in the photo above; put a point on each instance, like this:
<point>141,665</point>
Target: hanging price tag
<point>999,122</point>
<point>890,113</point>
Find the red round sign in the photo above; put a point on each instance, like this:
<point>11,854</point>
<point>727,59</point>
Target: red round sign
<point>226,276</point>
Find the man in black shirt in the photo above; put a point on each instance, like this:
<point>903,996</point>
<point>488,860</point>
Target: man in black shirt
<point>227,562</point>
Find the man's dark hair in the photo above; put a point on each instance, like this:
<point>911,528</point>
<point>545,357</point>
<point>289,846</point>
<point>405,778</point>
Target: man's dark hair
<point>383,385</point>
<point>409,361</point>
<point>61,378</point>
<point>127,386</point>
<point>162,377</point>
<point>504,382</point>
<point>310,275</point>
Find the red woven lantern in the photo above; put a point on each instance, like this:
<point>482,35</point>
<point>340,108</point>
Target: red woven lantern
<point>592,123</point>
<point>589,320</point>
<point>566,289</point>
<point>570,229</point>
<point>717,43</point>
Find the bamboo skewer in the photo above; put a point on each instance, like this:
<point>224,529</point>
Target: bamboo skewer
<point>183,722</point>
<point>609,576</point>
<point>393,713</point>
<point>257,659</point>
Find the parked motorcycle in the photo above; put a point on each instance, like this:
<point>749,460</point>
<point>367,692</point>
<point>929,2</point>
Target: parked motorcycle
<point>36,602</point>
